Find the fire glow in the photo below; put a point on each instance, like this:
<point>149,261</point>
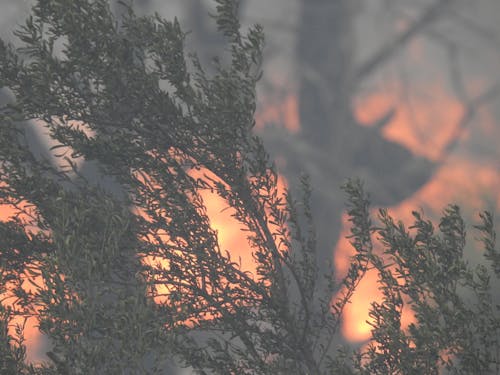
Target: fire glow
<point>33,339</point>
<point>472,182</point>
<point>418,131</point>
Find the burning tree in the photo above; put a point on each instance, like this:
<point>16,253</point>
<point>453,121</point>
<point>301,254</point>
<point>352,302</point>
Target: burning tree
<point>127,274</point>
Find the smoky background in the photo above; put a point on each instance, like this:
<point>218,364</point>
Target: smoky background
<point>404,94</point>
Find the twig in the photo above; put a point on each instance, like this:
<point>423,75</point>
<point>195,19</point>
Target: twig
<point>391,48</point>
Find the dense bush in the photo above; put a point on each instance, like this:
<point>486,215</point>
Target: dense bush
<point>128,276</point>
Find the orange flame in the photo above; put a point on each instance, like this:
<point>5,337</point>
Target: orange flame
<point>425,126</point>
<point>426,129</point>
<point>33,338</point>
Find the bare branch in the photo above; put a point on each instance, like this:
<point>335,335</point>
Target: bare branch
<point>391,48</point>
<point>482,31</point>
<point>470,110</point>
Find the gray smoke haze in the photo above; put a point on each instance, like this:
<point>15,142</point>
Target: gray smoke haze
<point>333,55</point>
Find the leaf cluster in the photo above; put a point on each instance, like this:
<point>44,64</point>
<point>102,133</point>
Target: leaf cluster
<point>125,280</point>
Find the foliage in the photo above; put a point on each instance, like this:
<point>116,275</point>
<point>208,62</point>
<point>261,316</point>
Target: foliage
<point>457,322</point>
<point>126,279</point>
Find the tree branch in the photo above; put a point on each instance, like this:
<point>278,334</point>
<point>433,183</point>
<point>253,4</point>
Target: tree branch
<point>391,48</point>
